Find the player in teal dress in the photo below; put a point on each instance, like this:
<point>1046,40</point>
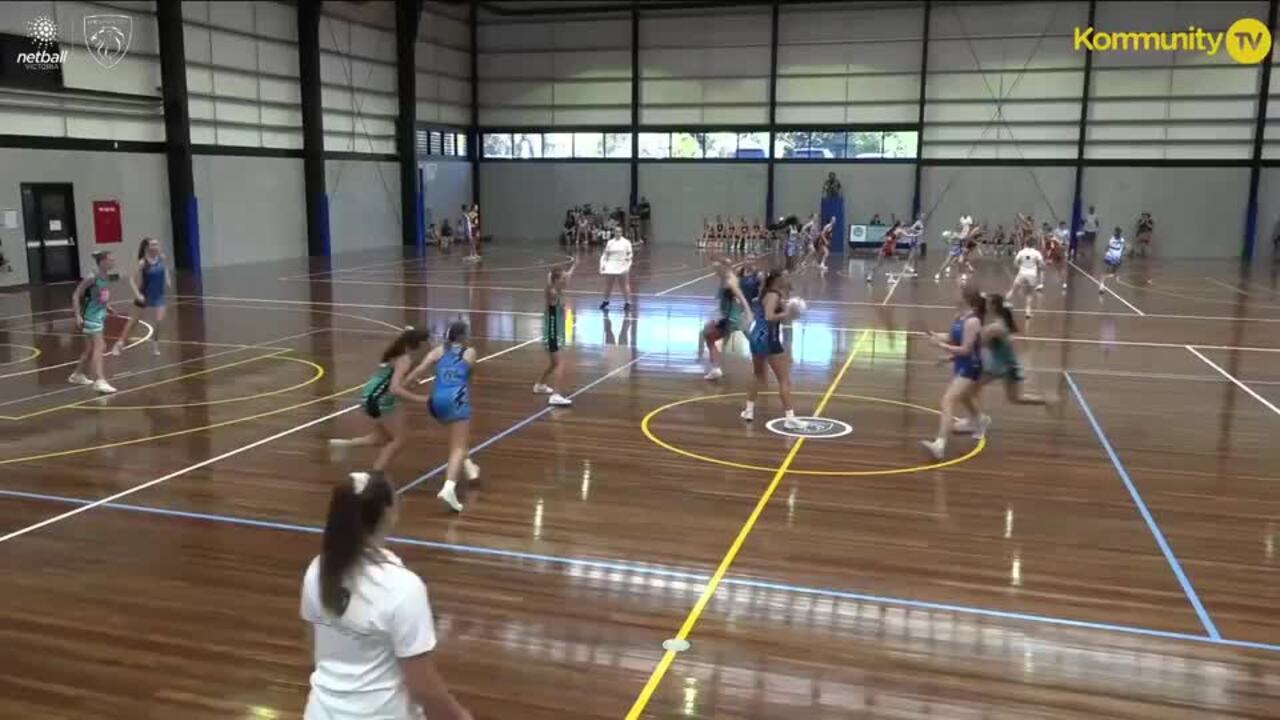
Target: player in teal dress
<point>450,404</point>
<point>379,396</point>
<point>91,303</point>
<point>553,335</point>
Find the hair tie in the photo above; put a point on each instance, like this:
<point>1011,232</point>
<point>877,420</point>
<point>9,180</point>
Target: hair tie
<point>359,481</point>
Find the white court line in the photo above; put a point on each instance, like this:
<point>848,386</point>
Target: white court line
<point>358,267</point>
<point>1232,288</point>
<point>209,461</point>
<point>364,305</point>
<point>1233,379</point>
<point>1081,341</point>
<point>150,331</point>
<point>1098,282</point>
<point>686,284</point>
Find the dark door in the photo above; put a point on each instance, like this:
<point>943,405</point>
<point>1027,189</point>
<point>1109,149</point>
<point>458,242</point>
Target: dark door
<point>49,216</point>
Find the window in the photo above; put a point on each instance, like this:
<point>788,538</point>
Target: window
<point>686,145</point>
<point>435,145</point>
<point>751,145</point>
<point>557,145</point>
<point>617,145</point>
<point>497,145</point>
<point>588,145</point>
<point>527,146</point>
<point>720,145</point>
<point>449,148</point>
<point>786,141</point>
<point>655,145</point>
<point>902,144</point>
<point>825,144</point>
<point>461,144</point>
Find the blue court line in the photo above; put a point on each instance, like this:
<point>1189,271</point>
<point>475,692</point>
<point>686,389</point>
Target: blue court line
<point>1183,580</point>
<point>658,571</point>
<point>515,428</point>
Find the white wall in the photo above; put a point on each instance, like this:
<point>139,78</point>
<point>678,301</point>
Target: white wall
<point>527,201</point>
<point>252,209</point>
<point>358,73</point>
<point>443,60</point>
<point>364,204</point>
<point>139,181</point>
<point>1199,212</point>
<point>994,195</point>
<point>566,71</point>
<point>868,189</point>
<point>448,191</point>
<point>682,194</point>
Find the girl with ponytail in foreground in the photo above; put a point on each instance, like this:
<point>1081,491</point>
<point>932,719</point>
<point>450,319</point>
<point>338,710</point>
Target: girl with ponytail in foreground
<point>372,631</point>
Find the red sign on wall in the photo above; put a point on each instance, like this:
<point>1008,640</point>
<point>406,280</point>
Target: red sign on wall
<point>107,223</point>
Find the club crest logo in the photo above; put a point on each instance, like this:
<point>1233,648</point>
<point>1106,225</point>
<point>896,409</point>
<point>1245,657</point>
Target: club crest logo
<point>811,427</point>
<point>107,38</point>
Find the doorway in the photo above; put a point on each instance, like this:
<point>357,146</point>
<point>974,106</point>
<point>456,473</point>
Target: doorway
<point>49,216</point>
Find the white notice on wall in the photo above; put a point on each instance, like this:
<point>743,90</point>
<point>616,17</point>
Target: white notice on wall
<point>55,226</point>
<point>9,219</point>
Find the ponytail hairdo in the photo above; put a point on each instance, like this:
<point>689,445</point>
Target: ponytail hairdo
<point>407,341</point>
<point>457,332</point>
<point>356,510</point>
<point>996,303</point>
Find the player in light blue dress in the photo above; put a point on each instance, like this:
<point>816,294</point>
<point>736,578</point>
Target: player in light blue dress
<point>450,404</point>
<point>1113,258</point>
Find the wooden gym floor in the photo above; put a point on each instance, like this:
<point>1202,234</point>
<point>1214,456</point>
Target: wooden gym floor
<point>1115,557</point>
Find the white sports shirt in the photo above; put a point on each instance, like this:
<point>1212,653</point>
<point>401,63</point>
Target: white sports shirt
<point>357,655</point>
<point>1029,261</point>
<point>616,258</point>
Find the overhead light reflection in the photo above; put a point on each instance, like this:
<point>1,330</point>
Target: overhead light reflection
<point>1008,522</point>
<point>537,520</point>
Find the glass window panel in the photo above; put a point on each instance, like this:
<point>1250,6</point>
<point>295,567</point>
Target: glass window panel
<point>785,142</point>
<point>655,145</point>
<point>588,145</point>
<point>720,145</point>
<point>436,144</point>
<point>528,145</point>
<point>557,145</point>
<point>617,145</point>
<point>902,144</point>
<point>866,144</point>
<point>448,144</point>
<point>686,145</point>
<point>497,145</point>
<point>825,144</point>
<point>752,145</point>
<point>462,144</point>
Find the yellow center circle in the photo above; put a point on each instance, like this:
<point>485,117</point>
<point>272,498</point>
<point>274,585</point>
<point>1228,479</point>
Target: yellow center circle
<point>648,432</point>
<point>1248,41</point>
<point>35,353</point>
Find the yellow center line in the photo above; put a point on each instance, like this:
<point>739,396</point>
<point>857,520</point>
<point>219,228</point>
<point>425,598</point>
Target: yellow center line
<point>709,591</point>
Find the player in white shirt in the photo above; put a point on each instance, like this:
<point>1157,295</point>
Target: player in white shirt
<point>1113,258</point>
<point>615,266</point>
<point>372,629</point>
<point>914,235</point>
<point>1030,264</point>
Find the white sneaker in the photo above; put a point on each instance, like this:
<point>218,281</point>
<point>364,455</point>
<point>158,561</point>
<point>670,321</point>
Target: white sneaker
<point>450,498</point>
<point>935,448</point>
<point>868,277</point>
<point>471,469</point>
<point>1040,287</point>
<point>155,348</point>
<point>792,424</point>
<point>559,400</point>
<point>937,277</point>
<point>748,415</point>
<point>980,431</point>
<point>103,387</point>
<point>541,389</point>
<point>714,373</point>
<point>962,425</point>
<point>115,350</point>
<point>1027,315</point>
<point>79,379</point>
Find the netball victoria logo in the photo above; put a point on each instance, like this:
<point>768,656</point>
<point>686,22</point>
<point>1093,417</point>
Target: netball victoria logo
<point>42,32</point>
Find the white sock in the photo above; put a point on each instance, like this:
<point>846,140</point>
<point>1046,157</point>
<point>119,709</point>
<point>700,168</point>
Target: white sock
<point>791,414</point>
<point>449,486</point>
<point>751,406</point>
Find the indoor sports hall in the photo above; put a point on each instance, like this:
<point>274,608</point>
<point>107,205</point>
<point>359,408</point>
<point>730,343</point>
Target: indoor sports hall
<point>632,359</point>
